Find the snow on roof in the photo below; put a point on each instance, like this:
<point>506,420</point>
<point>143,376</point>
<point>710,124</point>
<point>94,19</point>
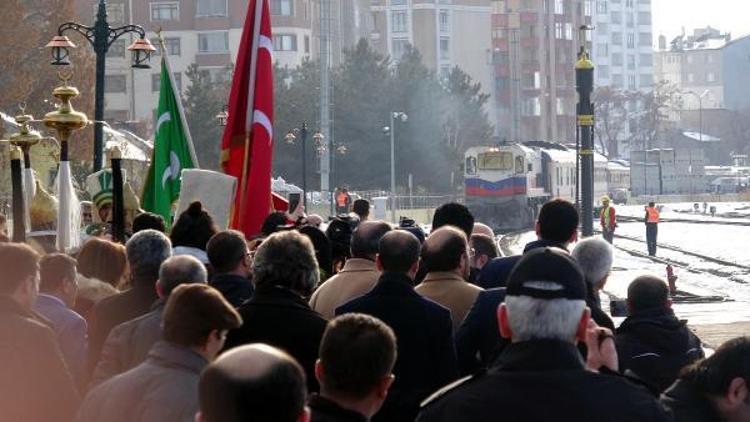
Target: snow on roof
<point>708,44</point>
<point>131,146</point>
<point>697,136</point>
<point>280,185</point>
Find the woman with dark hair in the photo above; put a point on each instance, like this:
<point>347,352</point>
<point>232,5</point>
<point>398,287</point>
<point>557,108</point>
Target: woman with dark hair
<point>322,250</point>
<point>191,232</point>
<point>275,221</point>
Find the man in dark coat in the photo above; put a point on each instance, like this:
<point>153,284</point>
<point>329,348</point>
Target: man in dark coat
<point>165,386</point>
<point>426,354</point>
<point>540,376</point>
<point>652,343</point>
<point>357,355</point>
<point>716,389</point>
<point>228,254</point>
<point>556,226</point>
<point>146,251</point>
<point>129,343</point>
<point>285,272</point>
<point>35,385</point>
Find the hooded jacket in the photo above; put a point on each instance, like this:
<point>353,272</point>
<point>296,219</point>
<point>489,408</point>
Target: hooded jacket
<point>654,345</point>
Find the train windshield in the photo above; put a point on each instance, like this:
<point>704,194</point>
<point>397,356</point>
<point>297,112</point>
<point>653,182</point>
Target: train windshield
<point>495,160</point>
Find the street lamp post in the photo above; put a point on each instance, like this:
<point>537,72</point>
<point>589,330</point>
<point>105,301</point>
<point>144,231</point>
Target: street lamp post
<point>319,146</point>
<point>700,128</point>
<point>101,36</point>
<point>392,130</point>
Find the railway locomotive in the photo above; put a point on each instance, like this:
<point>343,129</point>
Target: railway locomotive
<point>506,185</point>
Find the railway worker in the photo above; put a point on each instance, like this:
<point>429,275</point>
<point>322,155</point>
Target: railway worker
<point>652,227</point>
<point>608,220</point>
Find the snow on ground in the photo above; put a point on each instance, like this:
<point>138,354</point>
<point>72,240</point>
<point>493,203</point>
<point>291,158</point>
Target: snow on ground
<point>702,280</point>
<point>725,211</point>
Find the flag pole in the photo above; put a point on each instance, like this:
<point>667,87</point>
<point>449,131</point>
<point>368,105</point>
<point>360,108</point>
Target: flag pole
<point>178,94</point>
<point>249,116</point>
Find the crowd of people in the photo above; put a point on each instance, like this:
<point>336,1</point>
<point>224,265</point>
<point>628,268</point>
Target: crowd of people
<point>354,320</point>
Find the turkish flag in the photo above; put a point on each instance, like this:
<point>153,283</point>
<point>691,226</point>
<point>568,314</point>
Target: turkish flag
<point>247,144</point>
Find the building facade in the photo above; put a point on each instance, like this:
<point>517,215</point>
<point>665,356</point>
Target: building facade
<point>208,32</point>
<point>447,33</point>
<point>535,48</point>
<point>623,44</point>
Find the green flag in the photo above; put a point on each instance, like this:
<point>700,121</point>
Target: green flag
<point>173,150</point>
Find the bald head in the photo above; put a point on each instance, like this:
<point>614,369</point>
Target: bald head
<point>481,228</point>
<point>398,251</point>
<point>180,269</point>
<point>254,382</point>
<point>366,238</point>
<point>444,248</point>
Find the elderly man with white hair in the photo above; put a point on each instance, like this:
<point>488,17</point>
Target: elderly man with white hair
<point>540,376</point>
<point>594,255</point>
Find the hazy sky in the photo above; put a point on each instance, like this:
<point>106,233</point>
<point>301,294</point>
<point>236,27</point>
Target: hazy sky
<point>670,16</point>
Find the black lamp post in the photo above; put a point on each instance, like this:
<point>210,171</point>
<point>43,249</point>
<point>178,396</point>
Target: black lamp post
<point>101,36</point>
<point>319,147</point>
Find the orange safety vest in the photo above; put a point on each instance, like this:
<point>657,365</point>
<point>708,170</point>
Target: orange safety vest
<point>653,215</point>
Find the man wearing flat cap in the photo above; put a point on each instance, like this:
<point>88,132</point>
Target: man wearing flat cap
<point>541,376</point>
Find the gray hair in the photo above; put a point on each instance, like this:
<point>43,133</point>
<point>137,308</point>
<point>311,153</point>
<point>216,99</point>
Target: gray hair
<point>146,251</point>
<point>287,259</point>
<point>538,319</point>
<point>181,269</point>
<point>594,256</point>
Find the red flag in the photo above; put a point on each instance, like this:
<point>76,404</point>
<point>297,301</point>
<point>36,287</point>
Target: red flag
<point>247,150</point>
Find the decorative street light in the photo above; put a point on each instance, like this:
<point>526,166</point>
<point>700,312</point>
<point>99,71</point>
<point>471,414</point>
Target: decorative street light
<point>223,116</point>
<point>101,36</point>
<point>396,115</point>
<point>320,147</point>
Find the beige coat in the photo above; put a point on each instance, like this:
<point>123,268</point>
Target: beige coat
<point>451,291</point>
<point>357,277</point>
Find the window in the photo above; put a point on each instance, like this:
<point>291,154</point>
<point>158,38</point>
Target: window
<point>156,81</point>
<point>617,81</point>
<point>172,45</point>
<point>211,8</point>
<point>617,59</point>
<point>629,3</point>
<point>213,42</point>
<point>115,84</point>
<point>645,60</point>
<point>117,49</point>
<point>285,42</point>
<point>560,106</point>
<point>398,2</point>
<point>568,31</point>
<point>444,21</point>
<point>219,74</point>
<point>617,38</point>
<point>398,47</point>
<point>519,165</point>
<point>587,7</point>
<point>644,18</point>
<point>307,44</point>
<point>602,50</point>
<point>559,30</point>
<point>495,161</point>
<point>601,6</point>
<point>398,22</point>
<point>646,81</point>
<point>691,77</point>
<point>532,107</point>
<point>629,20</point>
<point>445,51</point>
<point>710,77</point>
<point>631,61</point>
<point>616,17</point>
<point>631,41</point>
<point>631,82</point>
<point>282,7</point>
<point>559,7</point>
<point>644,39</point>
<point>165,11</point>
<point>603,71</point>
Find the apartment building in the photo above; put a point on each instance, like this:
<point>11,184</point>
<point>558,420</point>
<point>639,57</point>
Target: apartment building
<point>208,32</point>
<point>623,44</point>
<point>535,47</point>
<point>447,33</point>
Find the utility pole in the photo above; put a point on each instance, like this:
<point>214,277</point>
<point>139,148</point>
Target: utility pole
<point>585,86</point>
<point>325,98</point>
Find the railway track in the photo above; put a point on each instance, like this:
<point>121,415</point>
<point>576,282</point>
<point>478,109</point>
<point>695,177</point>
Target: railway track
<point>630,219</point>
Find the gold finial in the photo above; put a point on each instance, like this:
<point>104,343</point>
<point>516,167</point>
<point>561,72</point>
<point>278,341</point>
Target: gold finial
<point>115,153</point>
